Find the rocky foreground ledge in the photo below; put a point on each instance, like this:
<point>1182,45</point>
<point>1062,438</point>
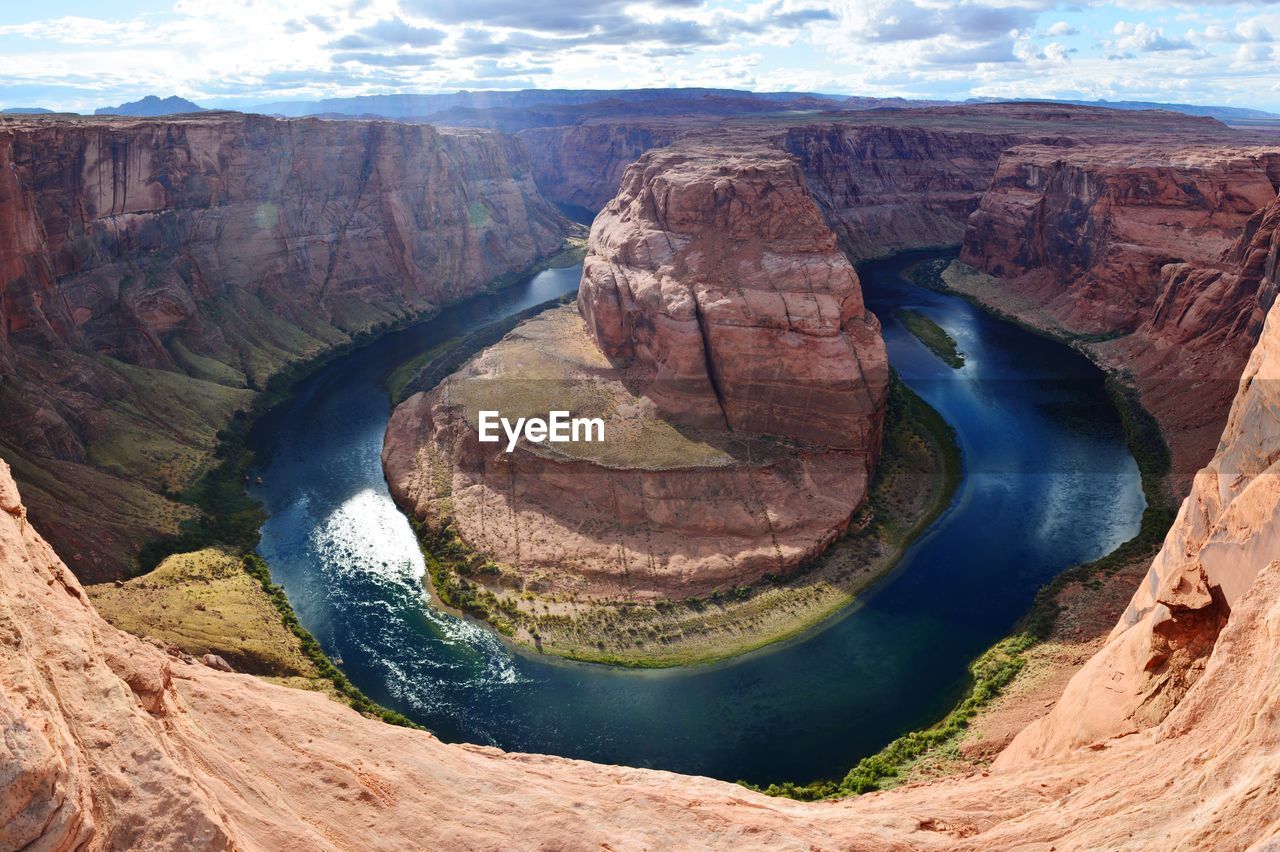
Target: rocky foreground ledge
<point>722,338</point>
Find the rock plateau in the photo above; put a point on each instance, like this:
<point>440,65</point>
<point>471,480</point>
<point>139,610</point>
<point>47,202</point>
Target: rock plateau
<point>741,379</point>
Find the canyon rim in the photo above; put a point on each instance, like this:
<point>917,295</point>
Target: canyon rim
<point>429,427</point>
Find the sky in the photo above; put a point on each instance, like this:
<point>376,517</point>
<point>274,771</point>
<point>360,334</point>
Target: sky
<point>78,55</point>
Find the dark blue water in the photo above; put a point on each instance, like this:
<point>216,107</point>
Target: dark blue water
<point>1048,484</point>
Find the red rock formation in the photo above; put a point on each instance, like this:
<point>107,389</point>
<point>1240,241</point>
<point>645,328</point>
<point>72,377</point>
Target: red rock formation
<point>720,299</point>
<point>109,743</point>
<point>886,189</point>
<point>1085,232</point>
<point>887,180</point>
<point>1143,241</point>
<point>582,165</point>
<point>142,222</point>
<point>221,247</point>
<point>713,276</point>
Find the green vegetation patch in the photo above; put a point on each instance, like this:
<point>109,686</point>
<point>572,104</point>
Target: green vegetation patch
<point>206,603</point>
<point>933,336</point>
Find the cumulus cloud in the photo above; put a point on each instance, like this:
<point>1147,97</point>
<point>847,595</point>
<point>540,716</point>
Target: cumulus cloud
<point>242,52</point>
<point>392,32</point>
<point>1144,38</point>
<point>1245,32</point>
<point>905,20</point>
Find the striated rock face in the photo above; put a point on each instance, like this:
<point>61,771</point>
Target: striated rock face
<point>713,277</point>
<point>1087,231</point>
<point>1141,243</point>
<point>886,189</point>
<point>582,165</point>
<point>103,732</point>
<point>1227,531</point>
<point>127,229</point>
<point>201,254</point>
<point>741,380</point>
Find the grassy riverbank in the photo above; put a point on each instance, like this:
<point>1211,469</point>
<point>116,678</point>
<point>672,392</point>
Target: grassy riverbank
<point>933,336</point>
<point>996,670</point>
<point>915,481</point>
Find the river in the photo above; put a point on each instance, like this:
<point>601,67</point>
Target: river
<point>1048,484</point>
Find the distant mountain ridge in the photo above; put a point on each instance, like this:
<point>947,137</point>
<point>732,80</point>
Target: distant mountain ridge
<point>416,106</point>
<point>1222,113</point>
<point>152,106</point>
<point>26,111</point>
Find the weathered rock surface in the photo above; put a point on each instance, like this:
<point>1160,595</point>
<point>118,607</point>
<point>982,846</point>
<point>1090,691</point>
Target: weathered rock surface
<point>1088,230</point>
<point>714,278</point>
<point>887,180</point>
<point>1227,531</point>
<point>217,249</point>
<point>741,379</point>
<point>1141,242</point>
<point>653,512</point>
<point>109,743</point>
<point>582,165</point>
<point>886,188</point>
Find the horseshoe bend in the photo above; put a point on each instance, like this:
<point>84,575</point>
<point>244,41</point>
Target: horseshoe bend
<point>637,468</point>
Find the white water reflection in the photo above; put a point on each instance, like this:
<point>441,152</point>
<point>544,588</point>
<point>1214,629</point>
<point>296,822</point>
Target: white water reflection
<point>368,534</point>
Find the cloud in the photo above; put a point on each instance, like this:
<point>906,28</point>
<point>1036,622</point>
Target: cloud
<point>392,32</point>
<point>546,16</point>
<point>907,20</point>
<point>386,60</point>
<point>1143,38</point>
<point>490,69</point>
<point>1061,29</point>
<point>1246,32</point>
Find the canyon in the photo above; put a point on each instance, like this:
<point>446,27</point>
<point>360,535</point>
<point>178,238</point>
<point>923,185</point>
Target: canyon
<point>1144,254</point>
<point>104,730</point>
<point>721,336</point>
<point>1116,231</point>
<point>154,274</point>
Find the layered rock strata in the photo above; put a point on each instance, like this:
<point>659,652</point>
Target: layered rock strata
<point>110,743</point>
<point>1227,534</point>
<point>741,380</point>
<point>1139,250</point>
<point>153,271</point>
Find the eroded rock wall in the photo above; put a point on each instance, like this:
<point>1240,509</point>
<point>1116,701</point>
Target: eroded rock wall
<point>1148,254</point>
<point>713,275</point>
<point>886,189</point>
<point>582,165</point>
<point>154,272</point>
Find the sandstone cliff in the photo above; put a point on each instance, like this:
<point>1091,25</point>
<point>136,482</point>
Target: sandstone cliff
<point>887,180</point>
<point>152,271</point>
<point>111,744</point>
<point>741,379</point>
<point>886,189</point>
<point>1140,243</point>
<point>713,276</point>
<point>582,165</point>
